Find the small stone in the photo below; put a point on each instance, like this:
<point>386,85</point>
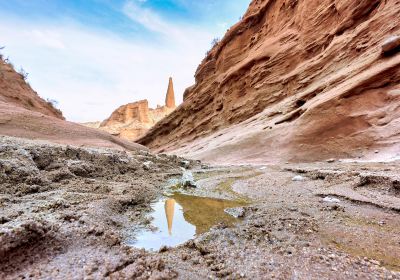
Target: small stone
<point>390,44</point>
<point>237,212</point>
<point>332,160</point>
<point>329,199</point>
<point>188,179</point>
<point>298,178</point>
<point>147,164</point>
<point>185,163</point>
<point>377,151</point>
<point>163,249</point>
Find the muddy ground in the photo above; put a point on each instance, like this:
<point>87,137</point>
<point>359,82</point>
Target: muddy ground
<point>65,213</point>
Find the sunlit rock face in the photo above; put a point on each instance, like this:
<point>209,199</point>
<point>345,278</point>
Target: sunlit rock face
<point>133,120</point>
<point>170,98</point>
<point>294,80</point>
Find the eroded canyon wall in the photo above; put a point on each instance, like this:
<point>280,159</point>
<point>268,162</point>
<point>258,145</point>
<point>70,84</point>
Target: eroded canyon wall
<point>133,120</point>
<point>24,114</point>
<point>294,80</point>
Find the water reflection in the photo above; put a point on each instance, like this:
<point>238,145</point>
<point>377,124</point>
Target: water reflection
<point>180,217</point>
<point>169,213</point>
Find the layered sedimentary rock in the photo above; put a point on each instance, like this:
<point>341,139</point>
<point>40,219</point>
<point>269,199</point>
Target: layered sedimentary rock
<point>294,80</point>
<point>24,114</point>
<point>170,98</point>
<point>133,120</point>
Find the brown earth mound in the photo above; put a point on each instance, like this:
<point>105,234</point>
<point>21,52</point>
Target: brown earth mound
<point>294,81</point>
<point>24,114</point>
<point>14,90</point>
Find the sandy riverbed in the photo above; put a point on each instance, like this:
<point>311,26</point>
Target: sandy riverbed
<point>65,213</point>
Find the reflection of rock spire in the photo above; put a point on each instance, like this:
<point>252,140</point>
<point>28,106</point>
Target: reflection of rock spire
<point>169,213</point>
<point>170,98</point>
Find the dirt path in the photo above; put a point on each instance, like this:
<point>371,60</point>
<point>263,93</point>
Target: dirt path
<point>65,213</point>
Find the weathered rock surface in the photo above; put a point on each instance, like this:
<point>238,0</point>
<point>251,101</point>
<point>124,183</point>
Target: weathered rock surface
<point>24,114</point>
<point>14,90</point>
<point>293,81</point>
<point>170,98</point>
<point>69,213</point>
<point>133,120</point>
<point>72,216</point>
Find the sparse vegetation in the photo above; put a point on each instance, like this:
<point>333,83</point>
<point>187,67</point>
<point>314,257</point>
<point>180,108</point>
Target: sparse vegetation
<point>54,103</point>
<point>23,74</point>
<point>6,60</point>
<point>1,55</point>
<point>214,42</point>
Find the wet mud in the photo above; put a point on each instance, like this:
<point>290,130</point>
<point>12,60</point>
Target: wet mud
<point>77,213</point>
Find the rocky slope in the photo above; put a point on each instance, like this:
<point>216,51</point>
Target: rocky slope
<point>14,90</point>
<point>294,81</point>
<point>75,213</point>
<point>133,120</point>
<point>24,114</point>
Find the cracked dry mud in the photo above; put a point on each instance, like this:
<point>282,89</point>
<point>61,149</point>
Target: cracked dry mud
<point>65,213</point>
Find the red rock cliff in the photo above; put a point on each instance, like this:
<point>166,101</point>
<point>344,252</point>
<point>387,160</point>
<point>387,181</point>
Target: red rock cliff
<point>293,80</point>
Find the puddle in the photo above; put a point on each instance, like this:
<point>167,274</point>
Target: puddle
<point>180,217</point>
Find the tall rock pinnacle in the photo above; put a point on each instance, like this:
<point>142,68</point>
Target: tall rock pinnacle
<point>170,98</point>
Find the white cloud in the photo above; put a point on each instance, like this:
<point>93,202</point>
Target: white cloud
<point>146,17</point>
<point>48,39</point>
<point>92,72</point>
<point>182,36</point>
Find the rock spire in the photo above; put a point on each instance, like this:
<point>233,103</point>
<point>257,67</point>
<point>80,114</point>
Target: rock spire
<point>170,98</point>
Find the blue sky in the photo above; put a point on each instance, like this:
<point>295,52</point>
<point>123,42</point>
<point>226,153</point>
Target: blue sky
<point>95,55</point>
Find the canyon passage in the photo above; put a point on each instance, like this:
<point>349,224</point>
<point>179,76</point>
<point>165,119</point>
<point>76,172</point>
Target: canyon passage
<point>282,161</point>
